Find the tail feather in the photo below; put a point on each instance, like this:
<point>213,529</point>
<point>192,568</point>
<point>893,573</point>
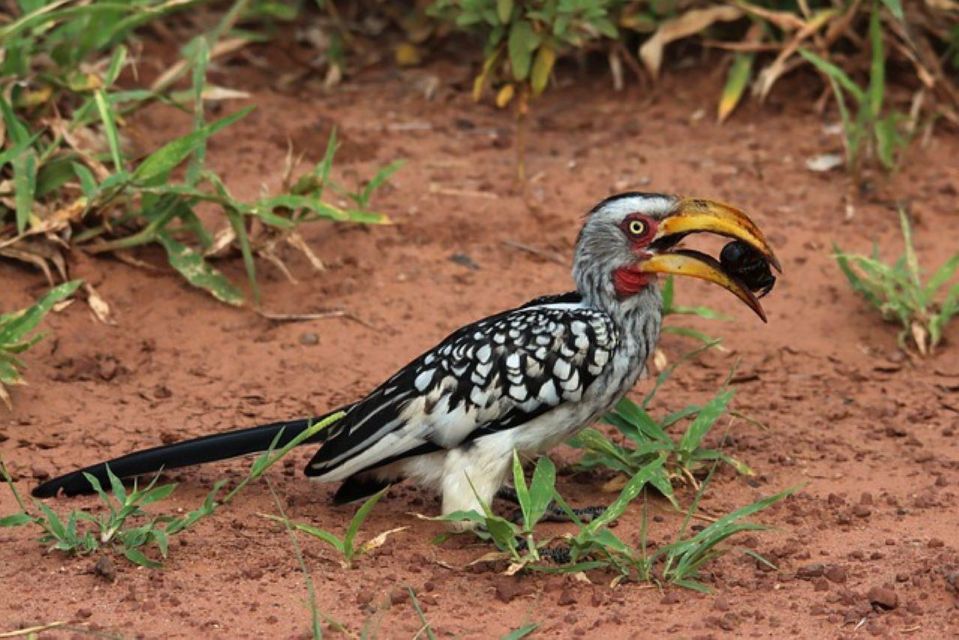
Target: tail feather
<point>219,446</point>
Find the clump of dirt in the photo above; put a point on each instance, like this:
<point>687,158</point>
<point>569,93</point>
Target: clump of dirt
<point>867,545</point>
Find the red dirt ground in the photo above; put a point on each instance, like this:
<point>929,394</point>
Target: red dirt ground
<point>871,433</point>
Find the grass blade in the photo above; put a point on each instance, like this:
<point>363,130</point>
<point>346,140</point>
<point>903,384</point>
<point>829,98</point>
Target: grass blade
<point>198,271</point>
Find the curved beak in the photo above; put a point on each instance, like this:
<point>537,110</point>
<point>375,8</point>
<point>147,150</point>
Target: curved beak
<point>695,215</point>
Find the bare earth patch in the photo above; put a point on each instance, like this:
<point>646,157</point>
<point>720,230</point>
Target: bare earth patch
<point>868,546</point>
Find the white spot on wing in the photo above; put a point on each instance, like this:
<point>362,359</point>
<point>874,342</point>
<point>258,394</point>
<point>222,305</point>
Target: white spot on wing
<point>423,380</point>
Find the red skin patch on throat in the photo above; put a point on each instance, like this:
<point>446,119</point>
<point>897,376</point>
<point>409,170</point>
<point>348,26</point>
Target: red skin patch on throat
<point>628,282</point>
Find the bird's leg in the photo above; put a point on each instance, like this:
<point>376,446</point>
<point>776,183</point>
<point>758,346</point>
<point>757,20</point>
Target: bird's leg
<point>553,512</point>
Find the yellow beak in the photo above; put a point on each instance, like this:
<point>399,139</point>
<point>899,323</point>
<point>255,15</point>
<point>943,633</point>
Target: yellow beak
<point>695,215</point>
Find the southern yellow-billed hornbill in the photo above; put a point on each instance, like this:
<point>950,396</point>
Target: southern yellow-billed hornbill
<point>524,379</point>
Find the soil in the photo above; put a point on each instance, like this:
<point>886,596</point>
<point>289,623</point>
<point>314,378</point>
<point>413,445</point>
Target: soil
<point>867,546</point>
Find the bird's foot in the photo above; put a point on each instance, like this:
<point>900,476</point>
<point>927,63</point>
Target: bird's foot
<point>557,555</point>
<point>554,513</point>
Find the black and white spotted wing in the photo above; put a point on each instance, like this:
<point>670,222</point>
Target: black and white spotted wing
<point>495,374</point>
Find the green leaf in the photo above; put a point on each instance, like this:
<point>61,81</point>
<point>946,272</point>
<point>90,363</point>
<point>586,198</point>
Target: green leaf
<point>521,632</point>
<point>541,489</point>
<point>542,66</point>
<point>834,72</point>
<point>239,228</point>
<point>22,324</point>
<point>941,276</point>
<point>895,8</point>
<point>626,496</point>
<point>317,533</point>
<point>137,557</point>
<point>24,186</point>
<point>504,10</point>
<point>198,271</point>
<point>887,140</point>
<point>109,128</point>
<point>522,492</point>
<point>359,517</point>
<point>158,165</point>
<point>704,421</point>
<point>877,70</point>
<point>201,59</point>
<point>16,520</point>
<point>736,81</point>
<point>521,44</point>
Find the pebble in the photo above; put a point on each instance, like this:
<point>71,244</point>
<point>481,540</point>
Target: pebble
<point>105,569</point>
<point>309,339</point>
<point>883,597</point>
<point>935,543</point>
<point>810,571</point>
<point>671,597</point>
<point>835,573</point>
<point>566,598</point>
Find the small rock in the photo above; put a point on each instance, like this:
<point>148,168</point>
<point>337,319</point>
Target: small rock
<point>566,598</point>
<point>671,597</point>
<point>465,261</point>
<point>508,588</point>
<point>84,613</point>
<point>721,604</point>
<point>105,569</point>
<point>861,511</point>
<point>810,571</point>
<point>107,368</point>
<point>935,543</point>
<point>39,472</point>
<point>399,596</point>
<point>364,596</point>
<point>309,339</point>
<point>835,573</point>
<point>883,598</point>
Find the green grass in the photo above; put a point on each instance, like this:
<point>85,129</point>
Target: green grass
<point>867,131</point>
<point>646,439</point>
<point>123,524</point>
<point>594,546</point>
<point>70,173</point>
<point>898,292</point>
<point>15,329</point>
<point>346,545</point>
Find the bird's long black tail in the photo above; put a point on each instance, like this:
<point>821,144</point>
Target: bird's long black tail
<point>218,446</point>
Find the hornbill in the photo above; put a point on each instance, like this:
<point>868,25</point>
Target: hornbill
<point>525,379</point>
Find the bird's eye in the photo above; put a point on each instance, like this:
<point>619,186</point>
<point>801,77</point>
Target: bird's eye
<point>636,227</point>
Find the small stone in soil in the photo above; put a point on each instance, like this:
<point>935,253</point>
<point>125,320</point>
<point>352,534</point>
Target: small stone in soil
<point>835,573</point>
<point>566,598</point>
<point>105,569</point>
<point>883,598</point>
<point>810,571</point>
<point>308,339</point>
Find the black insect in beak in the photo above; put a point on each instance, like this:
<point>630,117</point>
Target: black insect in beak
<point>749,266</point>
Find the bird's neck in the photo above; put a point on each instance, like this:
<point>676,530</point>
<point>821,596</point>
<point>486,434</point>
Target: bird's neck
<point>601,292</point>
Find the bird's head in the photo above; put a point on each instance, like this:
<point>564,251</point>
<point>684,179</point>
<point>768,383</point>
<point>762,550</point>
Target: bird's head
<point>631,238</point>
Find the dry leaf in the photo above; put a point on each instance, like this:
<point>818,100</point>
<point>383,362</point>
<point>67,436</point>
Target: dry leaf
<point>213,93</point>
<point>492,556</point>
<point>99,306</point>
<point>768,76</point>
<point>221,240</point>
<point>615,484</point>
<point>377,542</point>
<point>294,239</point>
<point>690,23</point>
<point>824,162</point>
